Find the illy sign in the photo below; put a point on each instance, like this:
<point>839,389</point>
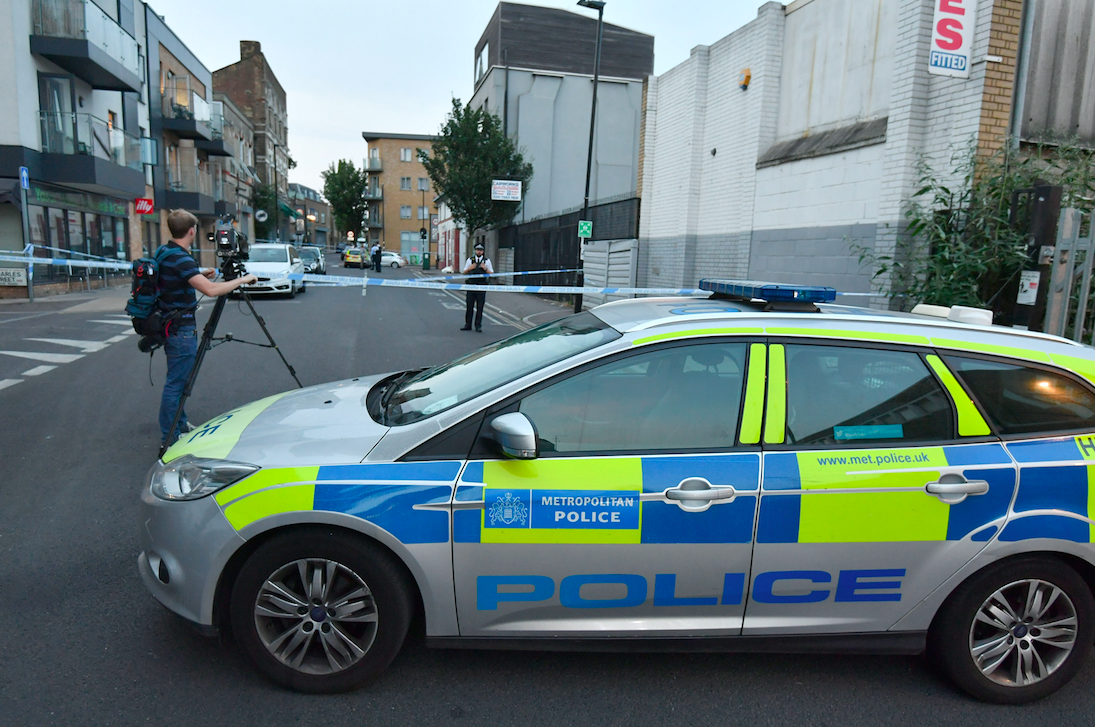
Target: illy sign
<point>952,37</point>
<point>143,206</point>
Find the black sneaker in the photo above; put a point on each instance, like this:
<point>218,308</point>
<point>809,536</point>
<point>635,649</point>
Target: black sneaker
<point>478,330</point>
<point>466,328</point>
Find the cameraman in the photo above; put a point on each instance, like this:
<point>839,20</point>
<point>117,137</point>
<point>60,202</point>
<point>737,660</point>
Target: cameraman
<point>478,266</point>
<point>180,276</point>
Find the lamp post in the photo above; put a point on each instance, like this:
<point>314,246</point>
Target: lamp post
<point>599,6</point>
<point>277,208</point>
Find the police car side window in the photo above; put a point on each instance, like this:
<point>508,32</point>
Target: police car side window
<point>844,395</point>
<point>1024,400</point>
<point>684,397</point>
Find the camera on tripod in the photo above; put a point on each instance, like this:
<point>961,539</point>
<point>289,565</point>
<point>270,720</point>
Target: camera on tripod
<point>232,247</point>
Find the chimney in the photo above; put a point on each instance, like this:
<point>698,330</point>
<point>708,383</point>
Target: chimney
<point>249,48</point>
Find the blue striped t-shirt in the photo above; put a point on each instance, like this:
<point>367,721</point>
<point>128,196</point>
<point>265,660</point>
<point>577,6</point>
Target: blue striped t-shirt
<point>175,272</point>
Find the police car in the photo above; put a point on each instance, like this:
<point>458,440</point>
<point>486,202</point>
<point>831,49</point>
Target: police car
<point>757,470</point>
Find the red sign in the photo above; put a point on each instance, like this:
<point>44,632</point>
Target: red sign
<point>144,206</point>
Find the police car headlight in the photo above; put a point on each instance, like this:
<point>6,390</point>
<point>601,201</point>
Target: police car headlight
<point>189,478</point>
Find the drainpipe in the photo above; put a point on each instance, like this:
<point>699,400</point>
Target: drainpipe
<point>1022,74</point>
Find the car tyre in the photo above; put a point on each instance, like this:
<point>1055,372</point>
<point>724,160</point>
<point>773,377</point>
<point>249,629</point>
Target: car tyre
<point>1015,632</point>
<point>333,568</point>
<point>292,290</point>
<point>395,265</point>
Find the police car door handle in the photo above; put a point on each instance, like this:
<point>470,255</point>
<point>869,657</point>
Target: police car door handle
<point>698,489</point>
<point>953,488</point>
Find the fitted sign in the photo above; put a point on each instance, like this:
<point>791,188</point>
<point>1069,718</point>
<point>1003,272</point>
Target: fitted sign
<point>952,38</point>
<point>505,190</point>
<point>13,276</point>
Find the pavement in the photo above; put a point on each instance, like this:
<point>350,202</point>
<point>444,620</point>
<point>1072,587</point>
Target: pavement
<point>84,643</point>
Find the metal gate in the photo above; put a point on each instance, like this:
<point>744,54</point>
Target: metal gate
<point>1070,281</point>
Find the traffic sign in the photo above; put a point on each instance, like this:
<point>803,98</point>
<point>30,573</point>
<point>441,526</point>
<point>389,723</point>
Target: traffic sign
<point>261,216</point>
<point>24,178</point>
<point>585,229</point>
<point>422,233</point>
<point>143,206</point>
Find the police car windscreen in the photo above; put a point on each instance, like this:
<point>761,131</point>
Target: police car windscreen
<point>445,386</point>
<point>269,255</point>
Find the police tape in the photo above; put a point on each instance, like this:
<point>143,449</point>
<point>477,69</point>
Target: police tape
<point>343,281</point>
<point>504,275</point>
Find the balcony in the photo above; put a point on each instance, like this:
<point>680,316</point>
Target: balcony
<point>374,193</point>
<point>86,152</point>
<point>185,113</point>
<point>374,165</point>
<point>190,187</point>
<point>215,147</point>
<point>79,37</point>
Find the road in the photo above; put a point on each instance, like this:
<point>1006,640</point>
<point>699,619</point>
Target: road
<point>85,644</point>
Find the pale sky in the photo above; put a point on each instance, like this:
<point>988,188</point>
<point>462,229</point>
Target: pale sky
<point>350,66</point>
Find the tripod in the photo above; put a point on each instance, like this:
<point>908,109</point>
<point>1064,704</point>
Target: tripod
<point>231,269</point>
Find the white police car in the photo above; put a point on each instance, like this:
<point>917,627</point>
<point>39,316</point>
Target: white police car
<point>722,473</point>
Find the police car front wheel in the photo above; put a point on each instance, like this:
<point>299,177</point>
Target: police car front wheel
<point>1015,632</point>
<point>320,611</point>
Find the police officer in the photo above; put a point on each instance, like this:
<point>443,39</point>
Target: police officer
<point>478,266</point>
<point>180,276</point>
<point>376,253</point>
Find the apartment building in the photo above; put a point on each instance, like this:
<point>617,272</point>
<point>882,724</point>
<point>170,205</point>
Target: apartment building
<point>313,224</point>
<point>233,175</point>
<point>399,193</point>
<point>254,88</point>
<point>103,105</point>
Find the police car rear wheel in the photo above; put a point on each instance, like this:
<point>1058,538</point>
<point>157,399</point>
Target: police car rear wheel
<point>1016,632</point>
<point>320,612</point>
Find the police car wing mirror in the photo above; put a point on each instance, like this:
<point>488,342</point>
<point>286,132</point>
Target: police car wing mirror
<point>516,436</point>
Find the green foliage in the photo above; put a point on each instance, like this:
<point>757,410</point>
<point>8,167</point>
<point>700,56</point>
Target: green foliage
<point>344,188</point>
<point>961,245</point>
<point>471,151</point>
<point>262,198</point>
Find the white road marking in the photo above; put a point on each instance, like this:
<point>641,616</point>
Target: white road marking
<point>117,323</point>
<point>85,346</point>
<point>122,337</point>
<point>57,358</point>
<point>5,383</point>
<point>38,370</point>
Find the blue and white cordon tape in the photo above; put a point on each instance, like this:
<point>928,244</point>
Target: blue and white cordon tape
<point>347,281</point>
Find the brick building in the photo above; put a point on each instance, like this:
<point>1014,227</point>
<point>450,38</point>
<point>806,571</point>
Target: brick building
<point>399,192</point>
<point>774,152</point>
<point>252,86</point>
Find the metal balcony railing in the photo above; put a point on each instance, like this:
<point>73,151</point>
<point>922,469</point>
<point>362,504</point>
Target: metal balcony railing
<point>189,178</point>
<point>179,102</point>
<point>374,165</point>
<point>85,20</point>
<point>70,133</point>
<point>374,192</point>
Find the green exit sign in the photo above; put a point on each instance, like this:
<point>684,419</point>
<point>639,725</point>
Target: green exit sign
<point>585,229</point>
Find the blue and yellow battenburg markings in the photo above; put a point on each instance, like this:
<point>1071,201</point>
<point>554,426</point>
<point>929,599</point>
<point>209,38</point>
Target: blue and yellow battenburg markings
<point>383,494</point>
<point>597,500</point>
<point>812,497</point>
<point>1065,483</point>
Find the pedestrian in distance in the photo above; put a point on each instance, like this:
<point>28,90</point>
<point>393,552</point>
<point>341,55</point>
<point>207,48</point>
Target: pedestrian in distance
<point>376,253</point>
<point>180,277</point>
<point>479,267</point>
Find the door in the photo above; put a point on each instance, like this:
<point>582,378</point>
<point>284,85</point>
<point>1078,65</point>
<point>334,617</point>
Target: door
<point>877,488</point>
<point>55,99</point>
<point>637,516</point>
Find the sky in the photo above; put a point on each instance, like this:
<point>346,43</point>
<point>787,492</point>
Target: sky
<point>349,66</point>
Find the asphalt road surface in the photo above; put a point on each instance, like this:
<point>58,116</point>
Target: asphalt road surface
<point>83,643</point>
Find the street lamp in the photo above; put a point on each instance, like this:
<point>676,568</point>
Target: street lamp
<point>277,209</point>
<point>310,217</point>
<point>599,6</point>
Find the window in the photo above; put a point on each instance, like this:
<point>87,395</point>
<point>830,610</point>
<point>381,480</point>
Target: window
<point>858,396</point>
<point>443,387</point>
<point>423,184</point>
<point>686,397</point>
<point>405,183</point>
<point>404,212</point>
<point>1022,399</point>
<point>422,152</point>
<point>423,213</point>
<point>405,154</point>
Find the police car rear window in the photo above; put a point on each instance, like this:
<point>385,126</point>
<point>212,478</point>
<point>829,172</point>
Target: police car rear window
<point>1023,399</point>
<point>845,395</point>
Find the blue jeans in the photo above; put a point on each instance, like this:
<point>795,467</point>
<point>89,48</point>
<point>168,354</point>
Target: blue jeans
<point>181,349</point>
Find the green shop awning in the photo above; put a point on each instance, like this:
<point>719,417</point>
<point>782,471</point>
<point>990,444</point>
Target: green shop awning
<point>287,209</point>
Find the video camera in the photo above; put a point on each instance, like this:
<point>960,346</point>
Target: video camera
<point>232,247</point>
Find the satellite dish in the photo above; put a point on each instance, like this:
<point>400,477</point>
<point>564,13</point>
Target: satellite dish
<point>261,216</point>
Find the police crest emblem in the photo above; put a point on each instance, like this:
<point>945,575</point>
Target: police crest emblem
<point>508,511</point>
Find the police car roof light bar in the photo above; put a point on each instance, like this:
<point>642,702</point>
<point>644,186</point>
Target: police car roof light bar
<point>770,292</point>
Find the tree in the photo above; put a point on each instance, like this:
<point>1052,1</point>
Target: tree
<point>471,151</point>
<point>262,198</point>
<point>344,188</point>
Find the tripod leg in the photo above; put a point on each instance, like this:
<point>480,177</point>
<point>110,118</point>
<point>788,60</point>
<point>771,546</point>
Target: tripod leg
<point>203,348</point>
<point>273,344</point>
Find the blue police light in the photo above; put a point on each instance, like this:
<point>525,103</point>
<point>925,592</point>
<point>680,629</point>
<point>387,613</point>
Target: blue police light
<point>770,292</point>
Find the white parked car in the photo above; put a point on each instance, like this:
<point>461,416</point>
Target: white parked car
<point>393,259</point>
<point>272,264</point>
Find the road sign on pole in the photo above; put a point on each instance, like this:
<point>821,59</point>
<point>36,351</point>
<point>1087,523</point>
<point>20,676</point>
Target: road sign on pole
<point>24,185</point>
<point>24,178</point>
<point>585,229</point>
